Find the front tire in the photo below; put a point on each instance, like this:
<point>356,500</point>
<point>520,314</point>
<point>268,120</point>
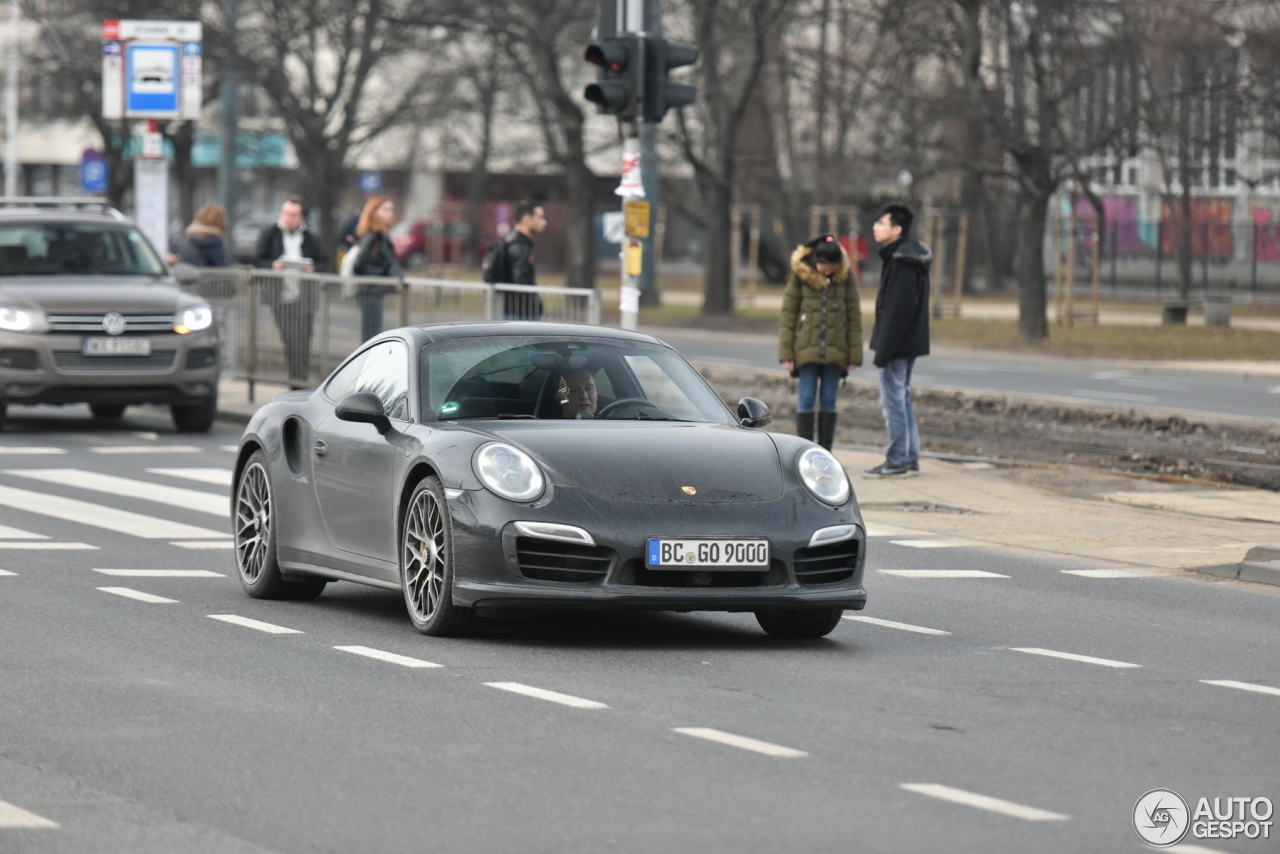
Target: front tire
<point>107,411</point>
<point>426,564</point>
<point>196,417</point>
<point>255,533</point>
<point>806,623</point>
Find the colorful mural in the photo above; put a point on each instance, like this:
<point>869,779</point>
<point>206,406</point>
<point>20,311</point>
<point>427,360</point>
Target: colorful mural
<point>1135,234</point>
<point>1266,223</point>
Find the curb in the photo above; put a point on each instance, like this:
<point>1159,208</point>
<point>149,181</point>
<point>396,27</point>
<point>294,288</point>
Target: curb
<point>1261,565</point>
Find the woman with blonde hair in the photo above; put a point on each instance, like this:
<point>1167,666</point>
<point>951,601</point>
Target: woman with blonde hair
<point>375,256</point>
<point>202,245</point>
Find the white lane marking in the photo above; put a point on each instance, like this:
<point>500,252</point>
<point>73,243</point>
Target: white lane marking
<point>983,802</point>
<point>906,627</point>
<point>388,656</point>
<point>17,818</point>
<point>1196,849</point>
<point>32,451</point>
<point>161,573</point>
<point>6,573</point>
<point>542,694</point>
<point>269,628</point>
<point>146,434</point>
<point>741,741</point>
<point>231,448</point>
<point>205,544</point>
<point>874,530</point>
<point>1110,375</point>
<point>1275,389</point>
<point>86,513</point>
<point>1157,385</point>
<point>147,449</point>
<point>40,545</point>
<point>218,477</point>
<point>929,544</point>
<point>7,533</point>
<point>189,499</point>
<point>1243,686</point>
<point>1090,394</point>
<point>943,573</point>
<point>1071,656</point>
<point>129,593</point>
<point>1113,573</point>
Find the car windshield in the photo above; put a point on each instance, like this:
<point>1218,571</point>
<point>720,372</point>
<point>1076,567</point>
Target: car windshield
<point>559,378</point>
<point>57,248</point>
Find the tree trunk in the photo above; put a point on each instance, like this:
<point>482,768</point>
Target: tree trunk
<point>183,141</point>
<point>718,295</point>
<point>580,254</point>
<point>1033,207</point>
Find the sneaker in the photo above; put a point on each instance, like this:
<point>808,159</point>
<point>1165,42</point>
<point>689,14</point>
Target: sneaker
<point>886,470</point>
<point>914,465</point>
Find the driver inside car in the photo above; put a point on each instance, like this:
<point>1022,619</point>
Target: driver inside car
<point>576,393</point>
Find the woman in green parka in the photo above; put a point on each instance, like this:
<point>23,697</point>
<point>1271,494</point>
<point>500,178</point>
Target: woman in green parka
<point>820,333</point>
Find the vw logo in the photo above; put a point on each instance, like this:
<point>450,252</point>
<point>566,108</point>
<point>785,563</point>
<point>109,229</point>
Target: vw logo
<point>113,323</point>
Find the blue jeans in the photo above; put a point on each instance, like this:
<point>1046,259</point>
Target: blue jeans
<point>370,303</point>
<point>809,376</point>
<point>899,416</point>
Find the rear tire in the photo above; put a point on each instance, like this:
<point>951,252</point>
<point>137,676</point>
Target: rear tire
<point>806,623</point>
<point>107,411</point>
<point>254,527</point>
<point>426,564</point>
<point>196,417</point>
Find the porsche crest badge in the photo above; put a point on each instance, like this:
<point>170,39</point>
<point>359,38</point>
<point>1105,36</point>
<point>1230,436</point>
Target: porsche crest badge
<point>689,490</point>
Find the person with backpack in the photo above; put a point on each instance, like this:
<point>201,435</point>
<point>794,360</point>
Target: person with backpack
<point>374,256</point>
<point>511,262</point>
<point>820,331</point>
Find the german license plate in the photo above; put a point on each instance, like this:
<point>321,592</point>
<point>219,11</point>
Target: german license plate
<point>117,347</point>
<point>707,554</point>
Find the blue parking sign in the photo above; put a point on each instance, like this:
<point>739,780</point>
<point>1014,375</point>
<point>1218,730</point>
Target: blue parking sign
<point>371,180</point>
<point>94,175</point>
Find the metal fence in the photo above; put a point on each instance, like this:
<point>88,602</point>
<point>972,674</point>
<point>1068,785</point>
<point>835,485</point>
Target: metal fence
<point>293,328</point>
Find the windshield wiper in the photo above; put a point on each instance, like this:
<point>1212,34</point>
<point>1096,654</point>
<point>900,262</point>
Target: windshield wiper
<point>507,415</point>
<point>642,417</point>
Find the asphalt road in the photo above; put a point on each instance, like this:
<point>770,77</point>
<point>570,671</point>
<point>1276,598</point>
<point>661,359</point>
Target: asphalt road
<point>137,725</point>
<point>1095,380</point>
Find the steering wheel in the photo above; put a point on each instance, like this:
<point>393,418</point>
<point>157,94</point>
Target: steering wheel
<point>618,404</point>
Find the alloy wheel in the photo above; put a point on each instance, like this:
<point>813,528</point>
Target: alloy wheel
<point>423,555</point>
<point>253,522</point>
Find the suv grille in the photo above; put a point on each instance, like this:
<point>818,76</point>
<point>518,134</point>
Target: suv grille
<point>824,564</point>
<point>69,360</point>
<point>93,323</point>
<point>23,360</point>
<point>549,560</point>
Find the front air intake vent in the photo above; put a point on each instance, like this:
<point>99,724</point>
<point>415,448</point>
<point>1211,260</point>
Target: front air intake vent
<point>551,560</point>
<point>825,564</point>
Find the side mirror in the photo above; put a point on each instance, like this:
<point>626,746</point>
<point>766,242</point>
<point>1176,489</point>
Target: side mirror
<point>753,413</point>
<point>185,274</point>
<point>363,407</point>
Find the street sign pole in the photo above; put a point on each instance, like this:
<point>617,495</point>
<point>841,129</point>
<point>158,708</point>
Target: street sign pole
<point>648,284</point>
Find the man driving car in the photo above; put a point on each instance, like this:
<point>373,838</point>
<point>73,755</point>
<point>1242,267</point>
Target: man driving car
<point>576,393</point>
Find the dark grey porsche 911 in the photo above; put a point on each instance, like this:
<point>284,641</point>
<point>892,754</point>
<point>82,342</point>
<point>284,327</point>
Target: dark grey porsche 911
<point>484,467</point>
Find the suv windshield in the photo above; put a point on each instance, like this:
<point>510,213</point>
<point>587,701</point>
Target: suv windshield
<point>536,377</point>
<point>56,248</point>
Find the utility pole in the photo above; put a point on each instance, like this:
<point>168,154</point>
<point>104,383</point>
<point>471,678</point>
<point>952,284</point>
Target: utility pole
<point>648,281</point>
<point>230,123</point>
<point>11,166</point>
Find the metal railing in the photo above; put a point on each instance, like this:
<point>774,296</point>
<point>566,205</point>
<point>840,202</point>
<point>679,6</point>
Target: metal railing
<point>293,328</point>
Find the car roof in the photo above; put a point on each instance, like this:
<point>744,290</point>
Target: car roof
<point>524,329</point>
<point>64,215</point>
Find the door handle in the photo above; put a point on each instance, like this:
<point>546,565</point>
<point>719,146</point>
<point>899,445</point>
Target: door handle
<point>321,448</point>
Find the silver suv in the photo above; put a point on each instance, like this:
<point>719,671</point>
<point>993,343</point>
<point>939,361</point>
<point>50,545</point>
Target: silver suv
<point>89,313</point>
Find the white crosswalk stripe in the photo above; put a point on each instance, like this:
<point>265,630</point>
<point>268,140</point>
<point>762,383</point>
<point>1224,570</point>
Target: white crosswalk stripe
<point>16,818</point>
<point>101,516</point>
<point>189,499</point>
<point>147,449</point>
<point>218,477</point>
<point>7,533</point>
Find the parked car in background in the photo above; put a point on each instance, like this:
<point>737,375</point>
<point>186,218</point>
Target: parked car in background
<point>245,235</point>
<point>419,243</point>
<point>89,313</point>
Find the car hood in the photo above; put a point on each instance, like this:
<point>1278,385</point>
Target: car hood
<point>639,461</point>
<point>93,295</point>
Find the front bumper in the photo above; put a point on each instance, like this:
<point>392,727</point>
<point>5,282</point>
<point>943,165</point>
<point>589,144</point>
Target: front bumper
<point>49,368</point>
<point>494,570</point>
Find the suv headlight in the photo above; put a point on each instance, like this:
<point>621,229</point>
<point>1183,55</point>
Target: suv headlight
<point>23,320</point>
<point>508,472</point>
<point>194,319</point>
<point>823,475</point>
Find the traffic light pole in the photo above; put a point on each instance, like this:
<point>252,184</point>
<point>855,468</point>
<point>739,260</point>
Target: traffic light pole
<point>648,284</point>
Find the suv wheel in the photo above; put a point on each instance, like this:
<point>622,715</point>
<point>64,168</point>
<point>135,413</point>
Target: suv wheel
<point>196,417</point>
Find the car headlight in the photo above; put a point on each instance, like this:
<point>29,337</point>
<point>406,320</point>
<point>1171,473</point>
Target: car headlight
<point>823,475</point>
<point>508,472</point>
<point>23,320</point>
<point>194,319</point>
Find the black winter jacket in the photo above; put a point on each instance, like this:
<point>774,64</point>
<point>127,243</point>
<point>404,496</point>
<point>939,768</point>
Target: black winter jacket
<point>901,328</point>
<point>377,257</point>
<point>271,246</point>
<point>520,271</point>
<point>203,251</point>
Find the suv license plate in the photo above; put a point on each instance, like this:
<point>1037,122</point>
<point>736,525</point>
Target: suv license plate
<point>117,347</point>
<point>707,554</point>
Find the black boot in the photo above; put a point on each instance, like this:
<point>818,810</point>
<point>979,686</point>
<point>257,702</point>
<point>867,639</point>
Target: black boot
<point>826,429</point>
<point>804,425</point>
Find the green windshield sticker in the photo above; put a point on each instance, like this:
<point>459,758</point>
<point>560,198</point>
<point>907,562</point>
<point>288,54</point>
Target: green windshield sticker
<point>450,408</point>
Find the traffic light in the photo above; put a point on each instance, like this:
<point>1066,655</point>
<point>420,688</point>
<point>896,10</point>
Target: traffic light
<point>619,83</point>
<point>660,94</point>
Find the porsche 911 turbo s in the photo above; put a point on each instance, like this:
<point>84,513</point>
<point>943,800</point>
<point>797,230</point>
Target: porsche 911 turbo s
<point>488,467</point>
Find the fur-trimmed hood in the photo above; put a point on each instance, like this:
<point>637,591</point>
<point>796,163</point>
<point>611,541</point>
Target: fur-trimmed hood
<point>802,265</point>
<point>201,229</point>
<point>911,251</point>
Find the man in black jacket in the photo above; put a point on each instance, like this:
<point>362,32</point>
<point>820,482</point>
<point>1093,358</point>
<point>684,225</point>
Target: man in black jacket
<point>517,247</point>
<point>900,334</point>
<point>288,245</point>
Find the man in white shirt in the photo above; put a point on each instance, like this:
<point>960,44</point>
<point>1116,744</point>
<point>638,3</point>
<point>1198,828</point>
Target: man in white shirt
<point>288,245</point>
